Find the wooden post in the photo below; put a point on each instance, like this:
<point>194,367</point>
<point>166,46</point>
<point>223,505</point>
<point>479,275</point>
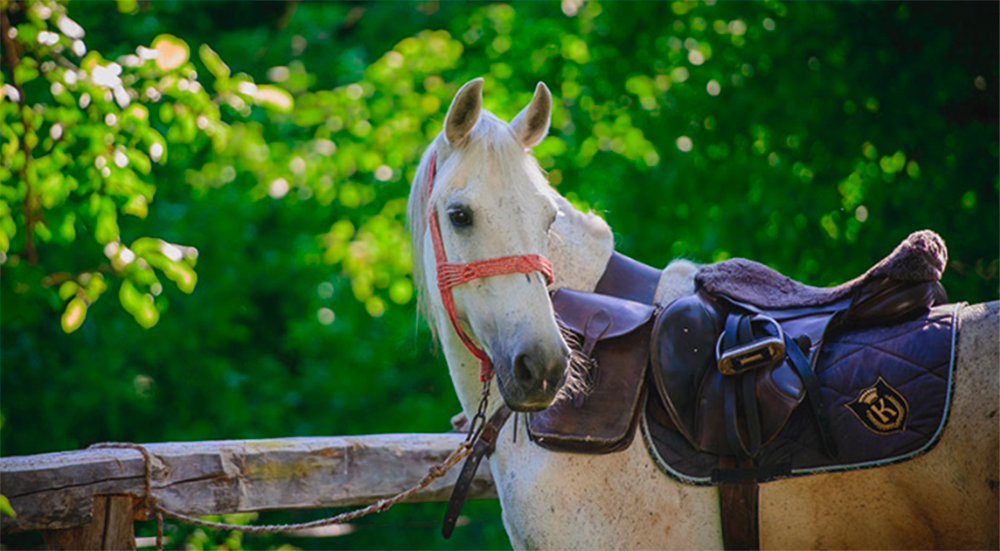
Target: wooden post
<point>110,529</point>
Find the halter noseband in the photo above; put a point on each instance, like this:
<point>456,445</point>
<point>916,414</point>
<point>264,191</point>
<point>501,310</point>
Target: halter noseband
<point>450,274</point>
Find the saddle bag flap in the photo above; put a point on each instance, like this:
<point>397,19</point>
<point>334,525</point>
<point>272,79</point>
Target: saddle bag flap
<point>576,310</point>
<point>603,416</point>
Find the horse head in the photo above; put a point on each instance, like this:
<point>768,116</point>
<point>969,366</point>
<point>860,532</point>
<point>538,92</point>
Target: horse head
<point>479,189</point>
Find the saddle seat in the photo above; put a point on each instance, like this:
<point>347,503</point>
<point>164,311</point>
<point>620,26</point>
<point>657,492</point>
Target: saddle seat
<point>920,257</point>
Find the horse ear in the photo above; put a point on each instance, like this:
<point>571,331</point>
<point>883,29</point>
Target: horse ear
<point>531,125</point>
<point>464,112</point>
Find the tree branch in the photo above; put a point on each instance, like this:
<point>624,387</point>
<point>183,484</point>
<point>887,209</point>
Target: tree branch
<point>12,59</point>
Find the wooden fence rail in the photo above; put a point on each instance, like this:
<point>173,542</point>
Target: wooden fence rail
<point>67,494</point>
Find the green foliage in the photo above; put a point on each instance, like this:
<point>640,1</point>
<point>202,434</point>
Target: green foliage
<point>5,507</point>
<point>237,172</point>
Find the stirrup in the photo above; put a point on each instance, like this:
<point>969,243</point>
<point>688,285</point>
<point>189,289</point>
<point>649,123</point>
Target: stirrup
<point>758,353</point>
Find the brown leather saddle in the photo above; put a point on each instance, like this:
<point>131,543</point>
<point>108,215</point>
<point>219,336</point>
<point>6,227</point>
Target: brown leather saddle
<point>725,367</point>
<point>731,362</point>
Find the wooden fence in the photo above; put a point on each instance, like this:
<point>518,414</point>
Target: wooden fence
<point>88,499</point>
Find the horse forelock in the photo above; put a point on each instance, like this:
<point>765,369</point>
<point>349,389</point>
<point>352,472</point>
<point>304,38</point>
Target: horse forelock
<point>494,142</point>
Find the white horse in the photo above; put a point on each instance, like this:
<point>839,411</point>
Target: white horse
<point>493,200</point>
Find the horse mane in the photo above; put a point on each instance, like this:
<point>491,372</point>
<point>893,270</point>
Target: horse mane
<point>416,215</point>
<point>495,139</point>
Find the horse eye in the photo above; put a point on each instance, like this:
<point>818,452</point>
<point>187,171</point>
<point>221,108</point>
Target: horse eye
<point>460,217</point>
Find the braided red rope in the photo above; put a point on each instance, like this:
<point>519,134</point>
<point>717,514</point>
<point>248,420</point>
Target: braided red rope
<point>450,274</point>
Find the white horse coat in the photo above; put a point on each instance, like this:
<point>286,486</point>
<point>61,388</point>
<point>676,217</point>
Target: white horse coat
<point>946,498</point>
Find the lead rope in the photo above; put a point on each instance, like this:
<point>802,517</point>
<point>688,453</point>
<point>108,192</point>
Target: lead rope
<point>435,472</point>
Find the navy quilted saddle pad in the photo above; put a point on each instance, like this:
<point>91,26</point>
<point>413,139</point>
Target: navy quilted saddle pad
<point>887,390</point>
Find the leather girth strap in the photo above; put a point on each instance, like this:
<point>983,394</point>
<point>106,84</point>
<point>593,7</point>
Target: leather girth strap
<point>630,279</point>
<point>483,447</point>
<point>739,504</point>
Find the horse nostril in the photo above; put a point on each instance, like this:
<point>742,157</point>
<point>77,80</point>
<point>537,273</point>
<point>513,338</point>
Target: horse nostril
<point>522,373</point>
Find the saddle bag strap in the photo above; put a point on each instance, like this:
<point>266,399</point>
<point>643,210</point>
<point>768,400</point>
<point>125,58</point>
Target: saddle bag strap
<point>813,393</point>
<point>739,505</point>
<point>484,446</point>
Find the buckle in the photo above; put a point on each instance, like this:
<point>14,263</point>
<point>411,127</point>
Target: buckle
<point>762,352</point>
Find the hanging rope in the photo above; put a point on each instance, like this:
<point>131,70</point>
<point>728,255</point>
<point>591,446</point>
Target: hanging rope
<point>151,503</point>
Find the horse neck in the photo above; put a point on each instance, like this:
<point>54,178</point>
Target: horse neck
<point>580,245</point>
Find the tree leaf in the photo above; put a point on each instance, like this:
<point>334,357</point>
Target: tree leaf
<point>75,314</point>
<point>68,289</point>
<point>172,52</point>
<point>213,62</point>
<point>274,98</point>
<point>5,507</point>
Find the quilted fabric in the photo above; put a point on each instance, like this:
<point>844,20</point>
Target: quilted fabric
<point>866,376</point>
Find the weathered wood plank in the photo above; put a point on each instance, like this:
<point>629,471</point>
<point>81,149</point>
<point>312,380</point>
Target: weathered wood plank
<point>112,528</point>
<point>57,490</point>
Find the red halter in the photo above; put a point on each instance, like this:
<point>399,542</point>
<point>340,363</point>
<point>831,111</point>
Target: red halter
<point>450,274</point>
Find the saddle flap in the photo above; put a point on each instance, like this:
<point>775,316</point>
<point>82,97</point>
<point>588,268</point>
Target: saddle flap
<point>704,404</point>
<point>683,354</point>
<point>599,317</point>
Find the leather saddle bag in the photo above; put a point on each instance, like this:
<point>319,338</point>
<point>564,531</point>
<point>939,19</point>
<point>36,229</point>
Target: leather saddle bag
<point>610,342</point>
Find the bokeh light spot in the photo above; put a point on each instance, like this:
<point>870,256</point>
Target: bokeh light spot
<point>325,290</point>
<point>325,316</point>
<point>278,188</point>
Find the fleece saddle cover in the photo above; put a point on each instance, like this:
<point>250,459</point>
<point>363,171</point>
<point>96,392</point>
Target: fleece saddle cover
<point>887,390</point>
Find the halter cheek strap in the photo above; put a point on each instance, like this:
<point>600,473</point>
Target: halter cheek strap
<point>450,274</point>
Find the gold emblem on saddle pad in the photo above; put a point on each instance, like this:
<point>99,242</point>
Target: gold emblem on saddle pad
<point>881,408</point>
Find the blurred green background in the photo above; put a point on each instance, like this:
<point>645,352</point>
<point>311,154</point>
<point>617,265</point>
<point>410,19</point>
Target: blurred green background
<point>201,214</point>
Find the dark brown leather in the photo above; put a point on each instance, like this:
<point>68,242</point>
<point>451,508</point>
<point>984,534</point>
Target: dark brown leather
<point>695,393</point>
<point>483,447</point>
<point>629,279</point>
<point>885,301</point>
<point>739,504</point>
<point>576,310</point>
<point>615,333</point>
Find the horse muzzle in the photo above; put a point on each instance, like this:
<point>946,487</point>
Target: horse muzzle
<point>530,377</point>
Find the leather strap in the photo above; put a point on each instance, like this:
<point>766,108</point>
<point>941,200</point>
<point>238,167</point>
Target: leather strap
<point>732,429</point>
<point>813,394</point>
<point>748,386</point>
<point>484,446</point>
<point>740,506</point>
<point>629,279</point>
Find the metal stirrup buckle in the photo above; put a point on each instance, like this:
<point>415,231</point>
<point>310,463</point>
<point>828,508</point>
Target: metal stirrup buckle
<point>761,352</point>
